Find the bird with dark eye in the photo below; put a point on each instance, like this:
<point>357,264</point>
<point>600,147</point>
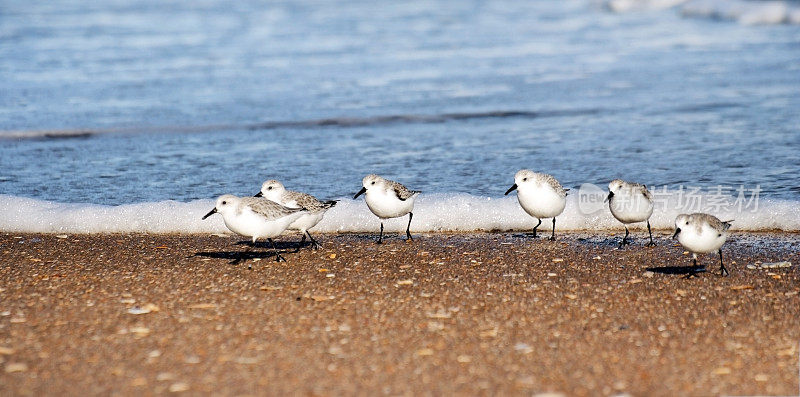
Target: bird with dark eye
<point>373,182</point>
<point>224,202</point>
<point>524,179</point>
<point>269,188</point>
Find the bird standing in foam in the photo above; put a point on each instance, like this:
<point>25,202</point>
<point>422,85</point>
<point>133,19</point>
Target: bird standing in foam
<point>540,195</point>
<point>630,203</point>
<point>388,199</point>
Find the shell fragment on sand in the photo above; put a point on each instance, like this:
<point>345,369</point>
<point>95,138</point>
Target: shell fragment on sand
<point>770,265</point>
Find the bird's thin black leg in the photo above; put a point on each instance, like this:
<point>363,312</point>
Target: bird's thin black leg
<point>300,244</point>
<point>278,257</point>
<point>553,236</point>
<point>408,228</point>
<point>722,270</point>
<point>535,227</point>
<point>624,239</point>
<point>380,236</point>
<point>651,243</point>
<point>694,269</point>
<point>314,243</point>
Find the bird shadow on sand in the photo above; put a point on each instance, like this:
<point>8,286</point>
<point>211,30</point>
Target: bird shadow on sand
<point>236,257</point>
<point>258,250</point>
<point>677,270</point>
<point>280,245</point>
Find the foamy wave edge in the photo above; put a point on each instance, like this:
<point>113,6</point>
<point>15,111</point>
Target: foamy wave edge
<point>441,212</point>
<point>747,12</point>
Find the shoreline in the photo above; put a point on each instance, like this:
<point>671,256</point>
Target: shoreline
<point>635,232</point>
<point>449,313</point>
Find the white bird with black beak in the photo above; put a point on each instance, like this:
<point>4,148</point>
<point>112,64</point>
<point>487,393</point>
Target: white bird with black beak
<point>701,234</point>
<point>276,192</point>
<point>256,217</point>
<point>388,199</point>
<point>540,195</point>
<point>630,203</point>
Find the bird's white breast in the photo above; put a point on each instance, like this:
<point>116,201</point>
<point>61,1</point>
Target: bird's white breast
<point>307,221</point>
<point>629,207</point>
<point>385,204</point>
<point>708,240</point>
<point>249,223</point>
<point>540,200</point>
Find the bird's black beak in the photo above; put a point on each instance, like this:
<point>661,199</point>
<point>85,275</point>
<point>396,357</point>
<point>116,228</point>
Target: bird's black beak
<point>212,212</point>
<point>259,195</point>
<point>610,195</point>
<point>360,192</point>
<point>677,231</point>
<point>511,189</point>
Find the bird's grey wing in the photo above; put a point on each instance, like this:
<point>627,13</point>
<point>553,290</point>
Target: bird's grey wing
<point>556,185</point>
<point>306,201</point>
<point>402,192</point>
<point>645,192</point>
<point>726,225</point>
<point>268,208</point>
<point>714,222</point>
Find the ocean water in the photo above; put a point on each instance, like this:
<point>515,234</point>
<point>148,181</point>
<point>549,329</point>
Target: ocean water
<point>133,116</point>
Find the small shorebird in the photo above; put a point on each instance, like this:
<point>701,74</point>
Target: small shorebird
<point>275,191</point>
<point>540,195</point>
<point>256,217</point>
<point>630,203</point>
<point>388,199</point>
<point>701,234</point>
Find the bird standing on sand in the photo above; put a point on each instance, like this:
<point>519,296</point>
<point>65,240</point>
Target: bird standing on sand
<point>630,203</point>
<point>540,195</point>
<point>701,234</point>
<point>388,199</point>
<point>275,191</point>
<point>256,217</point>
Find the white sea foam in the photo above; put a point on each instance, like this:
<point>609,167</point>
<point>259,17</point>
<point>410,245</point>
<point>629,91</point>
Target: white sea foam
<point>432,213</point>
<point>640,5</point>
<point>748,12</point>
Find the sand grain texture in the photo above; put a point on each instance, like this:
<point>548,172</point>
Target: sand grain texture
<point>469,314</point>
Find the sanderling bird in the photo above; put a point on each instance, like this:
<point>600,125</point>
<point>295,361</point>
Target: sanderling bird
<point>388,199</point>
<point>540,195</point>
<point>630,203</point>
<point>256,217</point>
<point>276,192</point>
<point>701,234</point>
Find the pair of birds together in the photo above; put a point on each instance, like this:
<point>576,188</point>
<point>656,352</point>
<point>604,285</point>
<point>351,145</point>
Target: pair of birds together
<point>275,209</point>
<point>699,233</point>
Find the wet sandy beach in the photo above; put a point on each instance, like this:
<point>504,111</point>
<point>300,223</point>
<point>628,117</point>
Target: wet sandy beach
<point>470,314</point>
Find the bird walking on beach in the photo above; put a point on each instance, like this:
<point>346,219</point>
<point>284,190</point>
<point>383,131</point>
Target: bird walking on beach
<point>256,217</point>
<point>540,195</point>
<point>315,209</point>
<point>701,234</point>
<point>388,199</point>
<point>630,203</point>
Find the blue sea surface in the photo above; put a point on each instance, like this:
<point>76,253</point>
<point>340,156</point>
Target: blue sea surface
<point>121,102</point>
